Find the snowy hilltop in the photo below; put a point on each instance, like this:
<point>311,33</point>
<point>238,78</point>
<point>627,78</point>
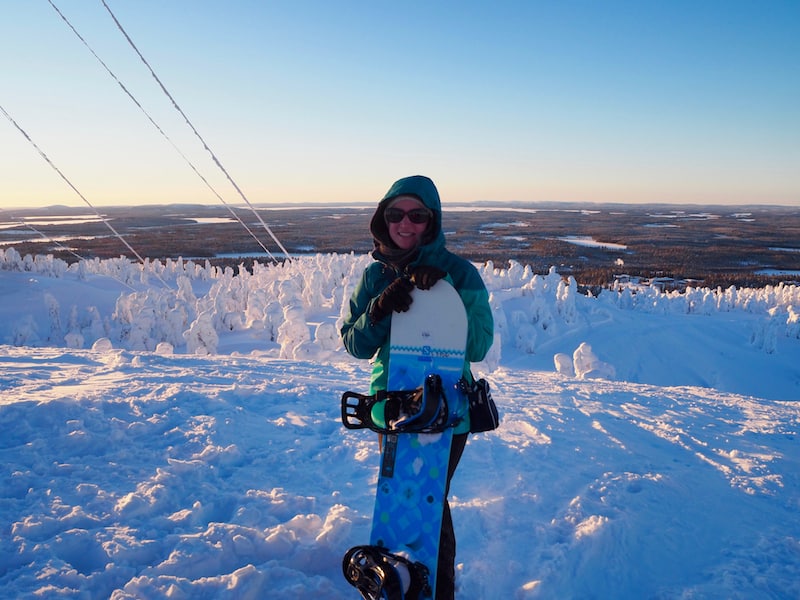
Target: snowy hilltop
<point>171,429</point>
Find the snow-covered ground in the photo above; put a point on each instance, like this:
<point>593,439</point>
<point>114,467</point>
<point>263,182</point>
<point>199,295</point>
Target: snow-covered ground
<point>172,431</point>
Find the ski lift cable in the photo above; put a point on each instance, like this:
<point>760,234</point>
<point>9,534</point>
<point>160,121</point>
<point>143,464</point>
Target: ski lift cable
<point>160,130</point>
<point>77,191</point>
<point>58,244</point>
<point>194,130</point>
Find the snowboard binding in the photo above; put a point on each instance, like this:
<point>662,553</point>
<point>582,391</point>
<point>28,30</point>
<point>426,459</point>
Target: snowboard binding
<point>381,575</point>
<point>423,410</point>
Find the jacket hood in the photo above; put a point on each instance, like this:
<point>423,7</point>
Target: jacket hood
<point>421,187</point>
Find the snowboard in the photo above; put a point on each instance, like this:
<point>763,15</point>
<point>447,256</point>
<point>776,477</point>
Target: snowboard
<point>427,351</point>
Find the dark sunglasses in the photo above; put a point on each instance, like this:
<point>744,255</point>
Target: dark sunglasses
<point>415,215</point>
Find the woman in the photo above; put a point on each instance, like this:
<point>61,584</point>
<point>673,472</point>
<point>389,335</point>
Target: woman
<point>410,251</point>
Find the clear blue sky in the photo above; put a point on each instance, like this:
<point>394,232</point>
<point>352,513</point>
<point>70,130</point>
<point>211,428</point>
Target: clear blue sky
<point>669,101</point>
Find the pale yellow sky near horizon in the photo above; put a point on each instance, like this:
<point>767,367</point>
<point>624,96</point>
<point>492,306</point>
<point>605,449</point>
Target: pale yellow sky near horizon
<point>681,103</point>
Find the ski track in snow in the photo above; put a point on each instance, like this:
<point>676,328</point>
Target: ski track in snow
<point>137,474</point>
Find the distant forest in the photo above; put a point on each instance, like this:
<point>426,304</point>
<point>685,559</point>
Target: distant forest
<point>708,246</point>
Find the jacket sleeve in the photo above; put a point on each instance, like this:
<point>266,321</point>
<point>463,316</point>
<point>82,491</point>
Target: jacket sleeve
<point>481,322</point>
<point>473,292</point>
<point>361,338</point>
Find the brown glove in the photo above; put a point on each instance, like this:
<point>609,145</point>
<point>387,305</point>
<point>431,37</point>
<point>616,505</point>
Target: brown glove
<point>395,298</point>
<point>425,276</point>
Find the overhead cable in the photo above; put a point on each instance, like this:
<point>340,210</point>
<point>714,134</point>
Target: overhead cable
<point>194,130</point>
<point>76,190</point>
<point>160,130</point>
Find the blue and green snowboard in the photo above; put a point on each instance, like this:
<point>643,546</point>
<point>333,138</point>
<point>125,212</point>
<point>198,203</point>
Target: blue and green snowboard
<point>427,352</point>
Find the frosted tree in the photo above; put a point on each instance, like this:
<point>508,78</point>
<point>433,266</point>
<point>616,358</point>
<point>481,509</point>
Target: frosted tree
<point>588,366</point>
<point>54,313</point>
<point>201,337</point>
<point>73,338</point>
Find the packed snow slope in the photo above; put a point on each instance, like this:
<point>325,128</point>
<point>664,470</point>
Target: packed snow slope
<point>171,430</point>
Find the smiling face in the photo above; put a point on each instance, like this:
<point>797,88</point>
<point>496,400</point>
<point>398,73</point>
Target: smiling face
<point>405,233</point>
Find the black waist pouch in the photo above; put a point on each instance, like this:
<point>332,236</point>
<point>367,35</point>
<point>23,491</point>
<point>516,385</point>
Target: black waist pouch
<point>483,415</point>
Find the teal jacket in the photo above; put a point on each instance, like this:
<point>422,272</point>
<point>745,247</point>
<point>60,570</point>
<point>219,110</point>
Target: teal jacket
<point>364,339</point>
